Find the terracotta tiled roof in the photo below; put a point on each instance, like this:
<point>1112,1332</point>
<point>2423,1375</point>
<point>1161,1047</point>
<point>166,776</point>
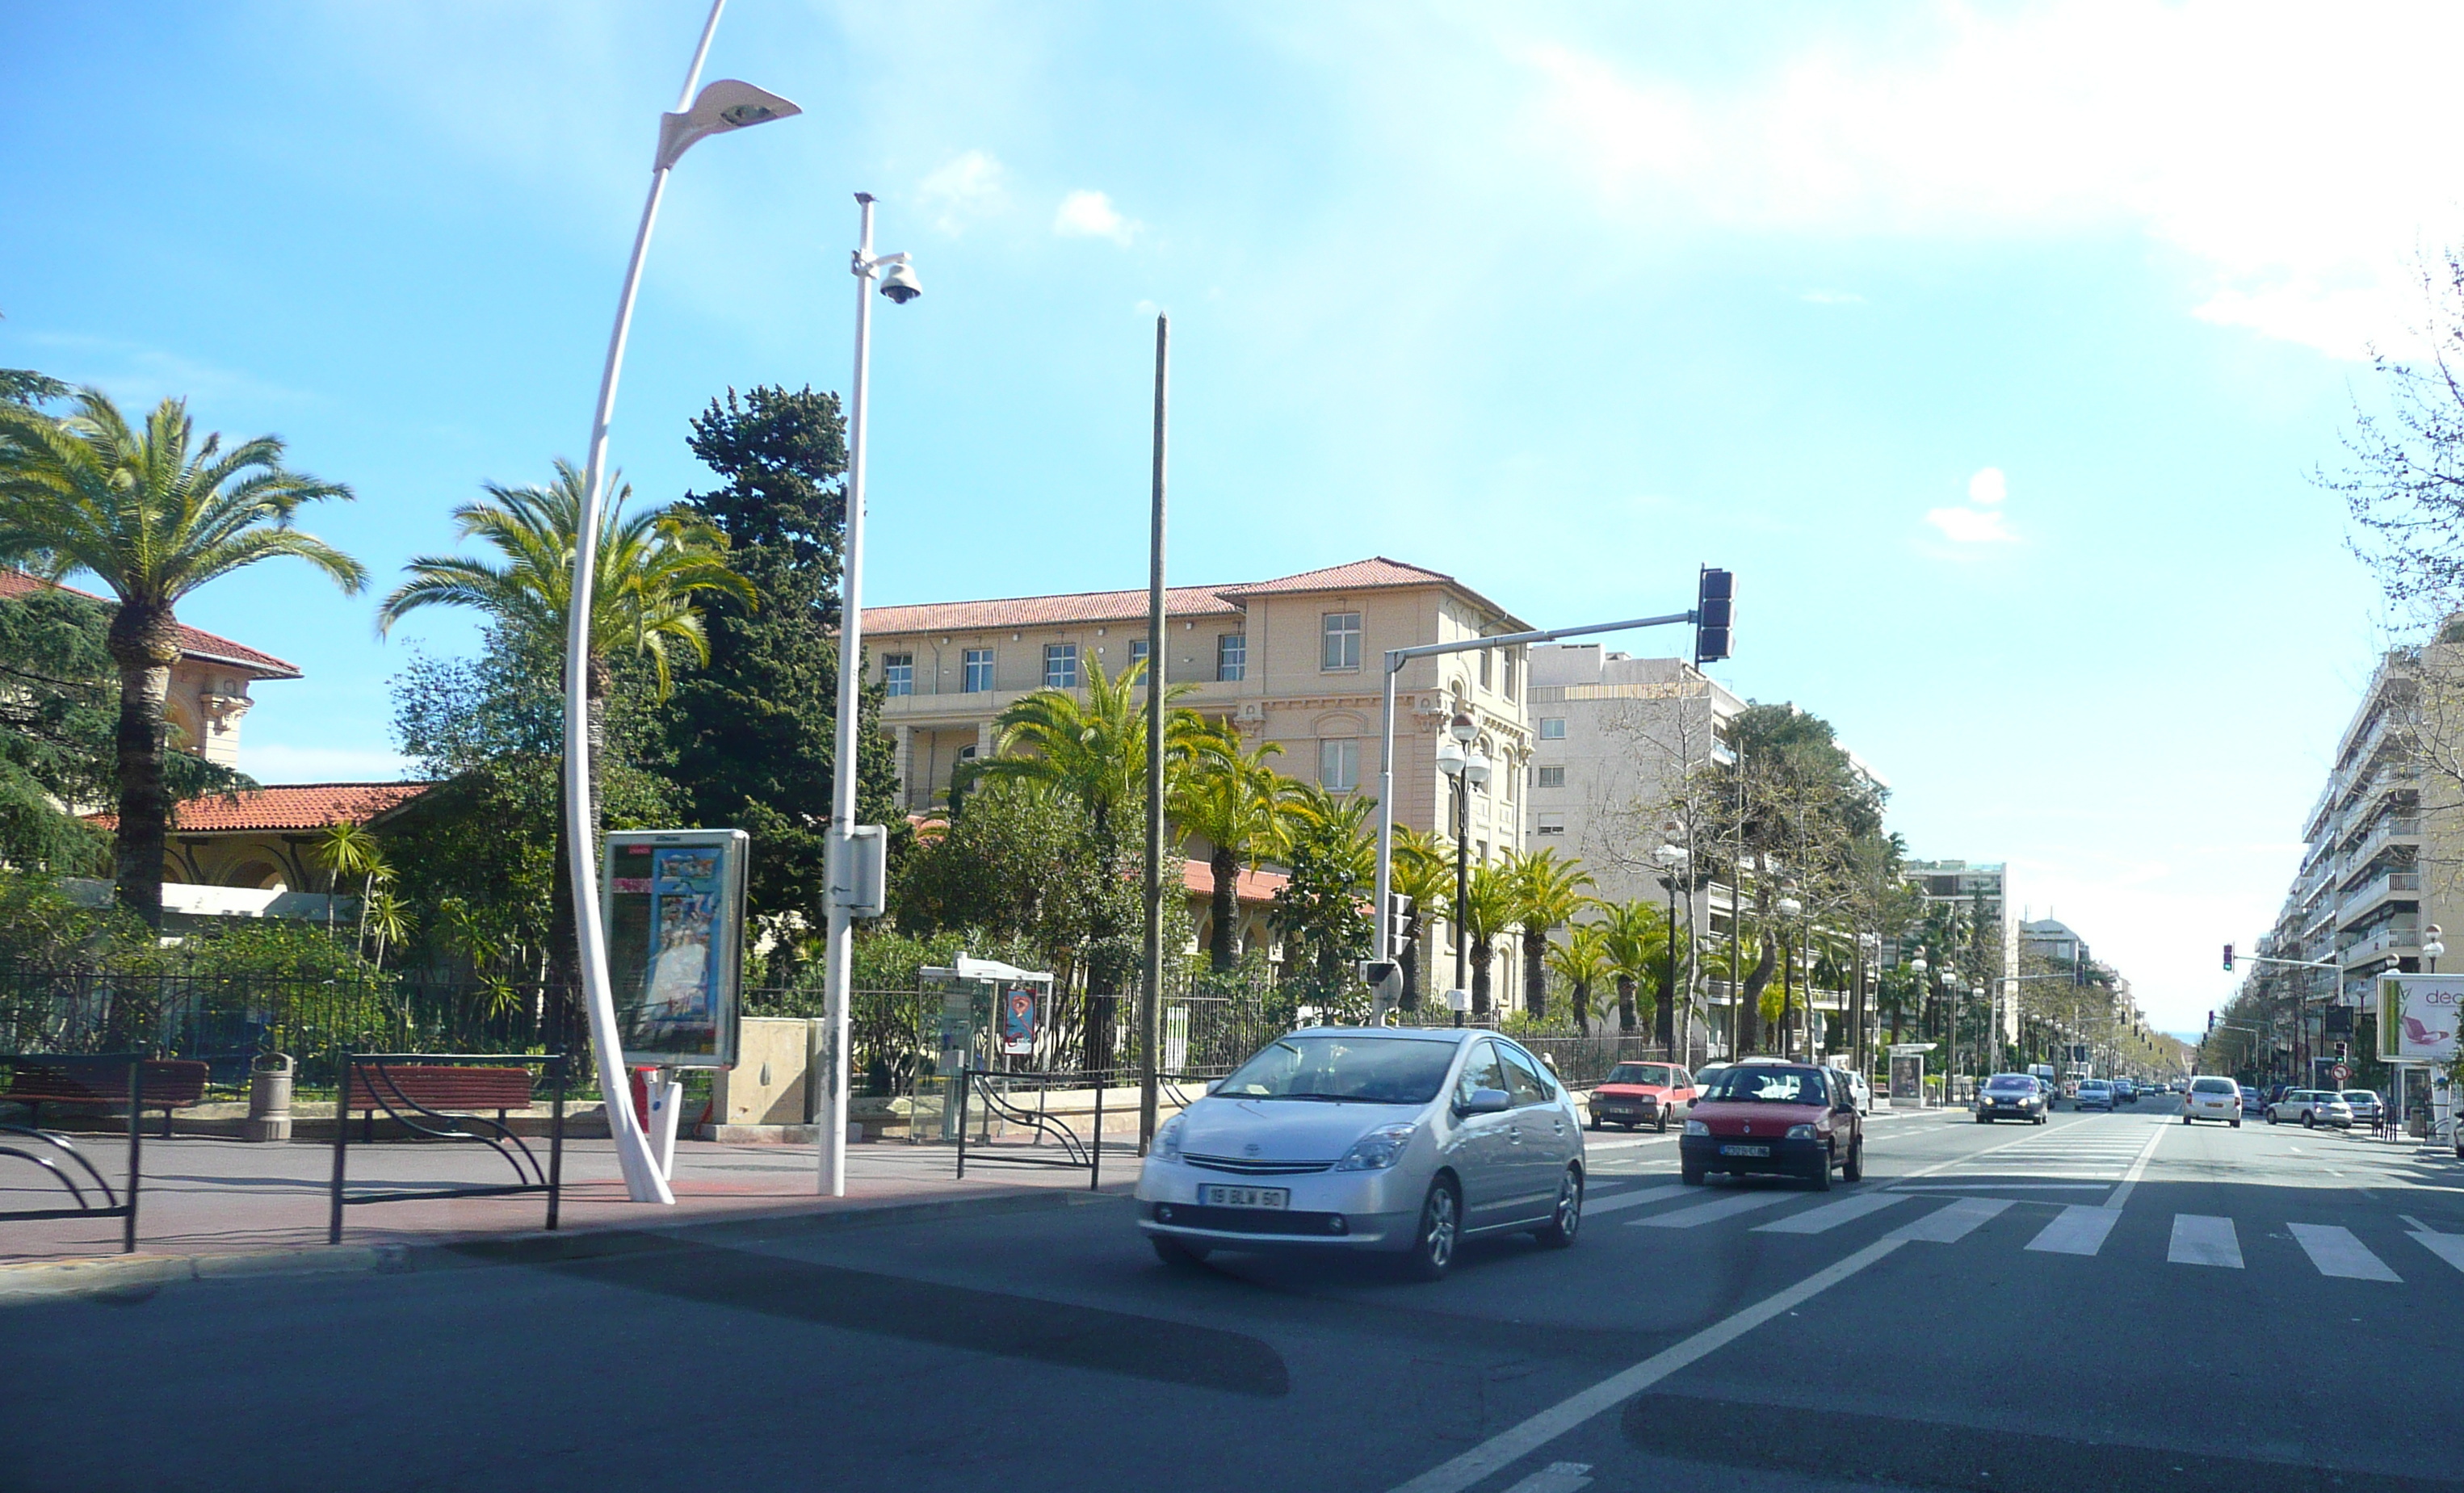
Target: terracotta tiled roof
<point>1375,573</point>
<point>1253,885</point>
<point>293,805</point>
<point>194,642</point>
<point>1043,611</point>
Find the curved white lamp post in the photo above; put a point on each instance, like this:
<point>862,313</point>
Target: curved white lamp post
<point>723,106</point>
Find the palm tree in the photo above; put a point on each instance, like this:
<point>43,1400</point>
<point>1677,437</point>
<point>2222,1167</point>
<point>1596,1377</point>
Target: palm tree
<point>1095,749</point>
<point>1241,809</point>
<point>1636,935</point>
<point>1331,852</point>
<point>1549,892</point>
<point>1424,870</point>
<point>1496,897</point>
<point>154,514</point>
<point>651,571</point>
<point>347,850</point>
<point>1582,961</point>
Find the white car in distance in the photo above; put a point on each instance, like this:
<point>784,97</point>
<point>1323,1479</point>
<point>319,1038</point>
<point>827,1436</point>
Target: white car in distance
<point>2212,1099</point>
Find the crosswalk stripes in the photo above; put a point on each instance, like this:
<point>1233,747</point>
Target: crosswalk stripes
<point>1831,1215</point>
<point>2199,1239</point>
<point>1558,1477</point>
<point>1951,1222</point>
<point>2449,1247</point>
<point>2079,1229</point>
<point>1727,1207</point>
<point>1618,1201</point>
<point>2336,1252</point>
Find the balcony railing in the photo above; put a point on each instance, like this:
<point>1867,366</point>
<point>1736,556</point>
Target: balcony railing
<point>2390,939</point>
<point>2377,890</point>
<point>2385,833</point>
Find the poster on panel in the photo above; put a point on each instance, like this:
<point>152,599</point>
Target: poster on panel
<point>674,904</point>
<point>2418,1018</point>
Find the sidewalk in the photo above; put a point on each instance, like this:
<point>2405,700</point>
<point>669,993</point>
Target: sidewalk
<point>206,1196</point>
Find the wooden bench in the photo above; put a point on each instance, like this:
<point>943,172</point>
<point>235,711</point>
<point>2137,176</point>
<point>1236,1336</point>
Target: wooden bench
<point>165,1083</point>
<point>444,1088</point>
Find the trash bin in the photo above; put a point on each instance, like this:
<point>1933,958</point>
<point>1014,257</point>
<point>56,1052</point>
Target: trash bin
<point>268,1098</point>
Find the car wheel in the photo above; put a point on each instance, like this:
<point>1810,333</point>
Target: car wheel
<point>1441,1231</point>
<point>2271,1117</point>
<point>2040,1119</point>
<point>1176,1254</point>
<point>2237,1125</point>
<point>2186,1119</point>
<point>2310,1120</point>
<point>1564,1223</point>
<point>1854,1170</point>
<point>1662,1126</point>
<point>1689,1175</point>
<point>1821,1178</point>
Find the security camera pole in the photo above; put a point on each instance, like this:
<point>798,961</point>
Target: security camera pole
<point>855,851</point>
<point>1397,658</point>
<point>723,106</point>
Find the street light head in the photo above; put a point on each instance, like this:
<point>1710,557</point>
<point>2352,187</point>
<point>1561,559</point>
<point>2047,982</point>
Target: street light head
<point>1787,907</point>
<point>900,284</point>
<point>728,104</point>
<point>1918,963</point>
<point>1450,758</point>
<point>1463,728</point>
<point>1476,768</point>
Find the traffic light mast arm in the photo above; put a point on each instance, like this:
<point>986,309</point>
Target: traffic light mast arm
<point>2307,964</point>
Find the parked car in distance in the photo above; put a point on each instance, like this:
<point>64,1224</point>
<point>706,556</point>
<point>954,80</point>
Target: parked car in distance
<point>2011,1097</point>
<point>2095,1093</point>
<point>2365,1105</point>
<point>2312,1107</point>
<point>1860,1090</point>
<point>1635,1094</point>
<point>2212,1099</point>
<point>1789,1119</point>
<point>1381,1140</point>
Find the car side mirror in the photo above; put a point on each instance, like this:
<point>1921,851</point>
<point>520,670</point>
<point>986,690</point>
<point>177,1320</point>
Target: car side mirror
<point>1214,1084</point>
<point>1486,1101</point>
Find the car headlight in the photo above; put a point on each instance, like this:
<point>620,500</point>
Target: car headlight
<point>1378,1150</point>
<point>1167,1140</point>
<point>1696,1127</point>
<point>1800,1132</point>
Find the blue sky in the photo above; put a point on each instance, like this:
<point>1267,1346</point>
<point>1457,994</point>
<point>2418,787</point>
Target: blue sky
<point>1992,346</point>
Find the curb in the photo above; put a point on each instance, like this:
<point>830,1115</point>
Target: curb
<point>136,1278</point>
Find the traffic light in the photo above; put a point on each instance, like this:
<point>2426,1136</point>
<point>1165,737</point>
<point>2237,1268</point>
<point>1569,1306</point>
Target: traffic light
<point>2212,1023</point>
<point>2079,972</point>
<point>1714,612</point>
<point>1398,924</point>
<point>2228,956</point>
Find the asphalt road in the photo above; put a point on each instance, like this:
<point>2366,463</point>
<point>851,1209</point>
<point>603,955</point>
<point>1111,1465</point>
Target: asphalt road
<point>2099,1302</point>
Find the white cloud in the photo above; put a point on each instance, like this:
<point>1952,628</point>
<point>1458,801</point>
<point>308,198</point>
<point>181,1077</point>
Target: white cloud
<point>1090,214</point>
<point>1833,297</point>
<point>963,189</point>
<point>1988,485</point>
<point>1971,525</point>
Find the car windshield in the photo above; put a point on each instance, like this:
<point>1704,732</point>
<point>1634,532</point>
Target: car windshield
<point>1767,1086</point>
<point>1635,1073</point>
<point>2011,1082</point>
<point>2360,1096</point>
<point>2096,1082</point>
<point>1349,1068</point>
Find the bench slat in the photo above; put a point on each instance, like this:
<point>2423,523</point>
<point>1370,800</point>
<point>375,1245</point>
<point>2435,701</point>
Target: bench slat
<point>162,1082</point>
<point>439,1087</point>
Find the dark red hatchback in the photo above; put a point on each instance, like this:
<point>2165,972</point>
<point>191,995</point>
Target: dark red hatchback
<point>1783,1119</point>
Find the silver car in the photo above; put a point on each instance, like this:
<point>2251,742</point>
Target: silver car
<point>1381,1139</point>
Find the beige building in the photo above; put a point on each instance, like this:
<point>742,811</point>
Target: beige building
<point>1294,660</point>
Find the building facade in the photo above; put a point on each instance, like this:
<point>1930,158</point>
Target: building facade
<point>1980,890</point>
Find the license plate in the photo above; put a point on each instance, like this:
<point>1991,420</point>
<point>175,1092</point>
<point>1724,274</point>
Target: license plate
<point>1745,1151</point>
<point>1218,1197</point>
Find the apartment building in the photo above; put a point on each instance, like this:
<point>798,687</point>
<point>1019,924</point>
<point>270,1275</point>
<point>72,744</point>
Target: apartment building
<point>1980,890</point>
<point>1295,660</point>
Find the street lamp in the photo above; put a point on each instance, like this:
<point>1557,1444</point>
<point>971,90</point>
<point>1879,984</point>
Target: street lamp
<point>1787,907</point>
<point>1672,858</point>
<point>723,106</point>
<point>1465,767</point>
<point>896,279</point>
<point>2432,947</point>
<point>1951,1028</point>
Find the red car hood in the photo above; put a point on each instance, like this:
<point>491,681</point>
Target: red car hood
<point>1756,1118</point>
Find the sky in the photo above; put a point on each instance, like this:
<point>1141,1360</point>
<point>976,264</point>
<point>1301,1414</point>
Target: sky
<point>1997,348</point>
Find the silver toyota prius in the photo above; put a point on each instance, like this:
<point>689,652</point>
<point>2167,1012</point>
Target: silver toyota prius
<point>1382,1139</point>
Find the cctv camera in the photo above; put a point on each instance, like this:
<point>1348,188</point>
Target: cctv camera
<point>900,284</point>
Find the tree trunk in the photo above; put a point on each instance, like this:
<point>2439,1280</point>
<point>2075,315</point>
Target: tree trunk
<point>1625,1004</point>
<point>144,644</point>
<point>1749,1009</point>
<point>1483,954</point>
<point>1582,998</point>
<point>1535,972</point>
<point>1225,907</point>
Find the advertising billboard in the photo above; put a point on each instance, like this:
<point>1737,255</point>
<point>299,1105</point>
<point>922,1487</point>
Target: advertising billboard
<point>2418,1018</point>
<point>673,901</point>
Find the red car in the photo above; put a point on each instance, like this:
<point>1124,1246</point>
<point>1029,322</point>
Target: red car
<point>1637,1094</point>
<point>1784,1119</point>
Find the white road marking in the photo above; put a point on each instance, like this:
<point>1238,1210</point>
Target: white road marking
<point>1963,1160</point>
<point>1830,1215</point>
<point>2200,1239</point>
<point>1706,1213</point>
<point>2079,1229</point>
<point>1558,1477</point>
<point>2138,1169</point>
<point>2336,1252</point>
<point>2449,1247</point>
<point>1520,1441</point>
<point>1634,1199</point>
<point>1952,1222</point>
<point>1986,1184</point>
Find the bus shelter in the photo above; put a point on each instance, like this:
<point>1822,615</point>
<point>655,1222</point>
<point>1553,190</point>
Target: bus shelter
<point>992,1016</point>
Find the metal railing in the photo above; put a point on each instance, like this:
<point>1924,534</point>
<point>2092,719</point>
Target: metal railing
<point>46,1150</point>
<point>373,1075</point>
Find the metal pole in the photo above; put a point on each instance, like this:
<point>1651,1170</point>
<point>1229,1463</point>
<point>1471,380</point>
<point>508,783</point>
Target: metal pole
<point>643,1181</point>
<point>1737,913</point>
<point>1666,1017</point>
<point>1151,1002</point>
<point>136,1147</point>
<point>1463,877</point>
<point>1383,913</point>
<point>343,1146</point>
<point>839,954</point>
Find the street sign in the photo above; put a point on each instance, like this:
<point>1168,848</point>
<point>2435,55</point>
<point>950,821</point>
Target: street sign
<point>2342,1074</point>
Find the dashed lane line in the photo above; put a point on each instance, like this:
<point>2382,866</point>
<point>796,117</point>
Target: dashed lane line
<point>1831,1215</point>
<point>1711,1212</point>
<point>1634,1199</point>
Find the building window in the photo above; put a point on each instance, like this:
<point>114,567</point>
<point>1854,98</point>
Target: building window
<point>1338,764</point>
<point>1138,650</point>
<point>1551,824</point>
<point>1342,638</point>
<point>1509,665</point>
<point>1550,778</point>
<point>977,675</point>
<point>1231,657</point>
<point>1061,665</point>
<point>1553,728</point>
<point>1483,668</point>
<point>898,674</point>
